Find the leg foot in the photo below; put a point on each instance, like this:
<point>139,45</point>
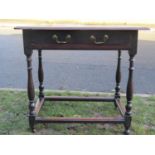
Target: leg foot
<point>127,132</point>
<point>31,123</point>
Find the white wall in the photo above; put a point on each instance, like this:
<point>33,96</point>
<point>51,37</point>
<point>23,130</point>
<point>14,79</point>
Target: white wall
<point>85,10</point>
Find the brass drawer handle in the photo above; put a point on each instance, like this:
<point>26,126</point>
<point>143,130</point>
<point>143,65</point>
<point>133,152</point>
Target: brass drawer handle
<point>104,40</point>
<point>66,41</point>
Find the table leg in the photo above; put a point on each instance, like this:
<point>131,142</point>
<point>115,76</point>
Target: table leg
<point>40,75</point>
<point>129,95</point>
<point>118,77</point>
<point>30,91</point>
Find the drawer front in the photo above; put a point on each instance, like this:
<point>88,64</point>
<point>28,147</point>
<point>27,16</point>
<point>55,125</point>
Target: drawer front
<point>80,39</point>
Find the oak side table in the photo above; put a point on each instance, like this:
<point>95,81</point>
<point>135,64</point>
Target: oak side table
<point>80,37</point>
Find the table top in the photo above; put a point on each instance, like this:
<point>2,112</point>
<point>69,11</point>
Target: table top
<point>81,27</point>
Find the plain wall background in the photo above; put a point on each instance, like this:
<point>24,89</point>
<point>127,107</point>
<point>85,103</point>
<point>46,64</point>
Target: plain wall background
<point>137,11</point>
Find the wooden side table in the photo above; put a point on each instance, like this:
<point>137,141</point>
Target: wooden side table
<point>80,38</point>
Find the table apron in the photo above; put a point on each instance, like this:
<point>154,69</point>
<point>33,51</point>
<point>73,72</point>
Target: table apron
<point>80,40</point>
<point>79,47</point>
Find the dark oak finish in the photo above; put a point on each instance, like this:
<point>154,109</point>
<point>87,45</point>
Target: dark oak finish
<point>79,120</point>
<point>80,38</point>
<point>77,98</point>
<point>120,107</point>
<point>129,95</point>
<point>40,39</point>
<point>31,93</point>
<point>118,76</point>
<point>82,27</point>
<point>38,105</point>
<point>40,74</point>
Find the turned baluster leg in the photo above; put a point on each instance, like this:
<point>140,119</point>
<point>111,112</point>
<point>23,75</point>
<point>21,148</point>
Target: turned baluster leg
<point>31,93</point>
<point>118,77</point>
<point>40,75</point>
<point>129,96</point>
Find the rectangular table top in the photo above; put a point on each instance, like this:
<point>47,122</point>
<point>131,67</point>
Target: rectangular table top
<point>82,27</point>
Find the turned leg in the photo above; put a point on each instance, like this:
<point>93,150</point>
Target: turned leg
<point>31,93</point>
<point>40,75</point>
<point>129,95</point>
<point>118,77</point>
